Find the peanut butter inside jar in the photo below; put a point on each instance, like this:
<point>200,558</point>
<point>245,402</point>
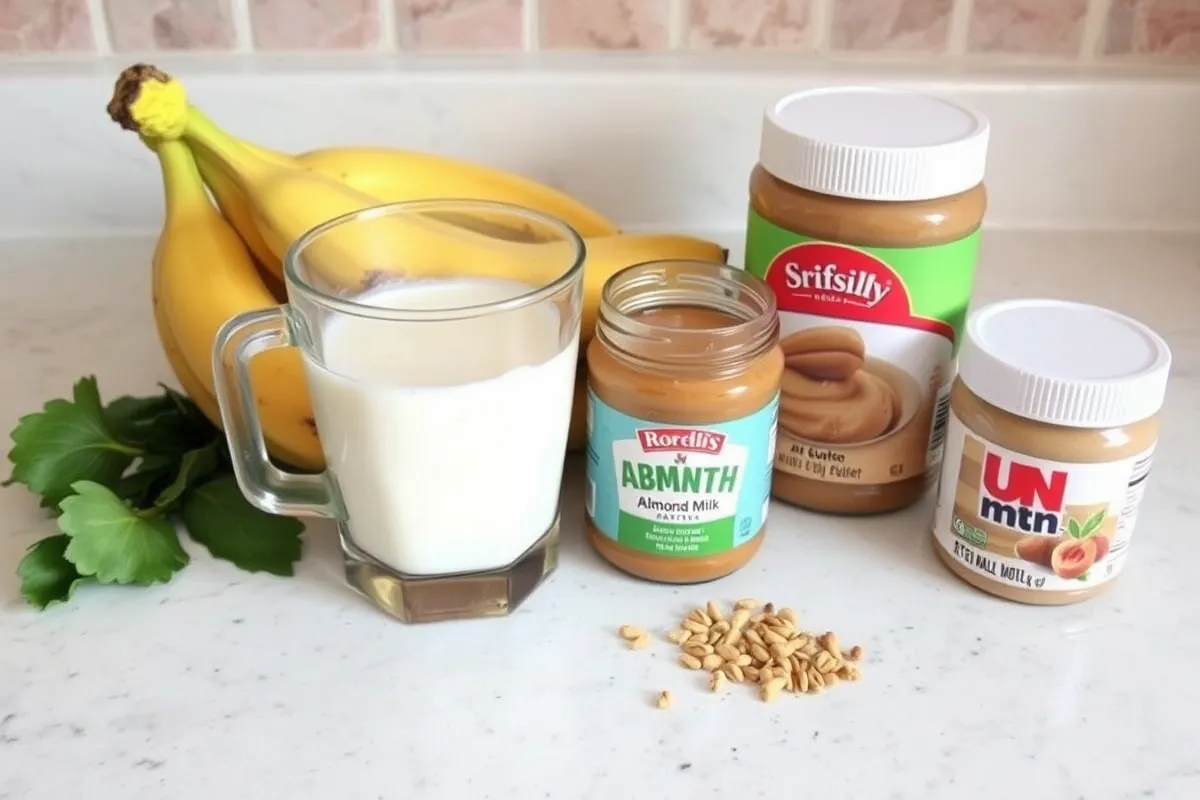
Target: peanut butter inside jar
<point>683,380</point>
<point>832,392</point>
<point>864,217</point>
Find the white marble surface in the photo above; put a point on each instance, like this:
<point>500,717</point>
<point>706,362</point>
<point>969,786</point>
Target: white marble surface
<point>223,684</point>
<point>658,141</point>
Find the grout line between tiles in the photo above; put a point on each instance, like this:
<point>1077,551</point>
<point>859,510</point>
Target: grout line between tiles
<point>960,27</point>
<point>531,25</point>
<point>389,30</point>
<point>820,20</point>
<point>1095,24</point>
<point>677,24</point>
<point>101,37</point>
<point>242,27</point>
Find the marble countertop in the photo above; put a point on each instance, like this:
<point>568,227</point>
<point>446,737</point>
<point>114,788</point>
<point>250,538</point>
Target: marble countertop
<point>224,684</point>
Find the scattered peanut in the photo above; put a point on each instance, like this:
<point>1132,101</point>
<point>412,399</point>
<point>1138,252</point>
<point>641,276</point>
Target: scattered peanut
<point>630,632</point>
<point>771,689</point>
<point>755,643</point>
<point>728,652</point>
<point>825,662</point>
<point>771,637</point>
<point>678,636</point>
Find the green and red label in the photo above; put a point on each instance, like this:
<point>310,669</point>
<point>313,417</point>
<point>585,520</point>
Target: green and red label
<point>869,334</point>
<point>836,280</point>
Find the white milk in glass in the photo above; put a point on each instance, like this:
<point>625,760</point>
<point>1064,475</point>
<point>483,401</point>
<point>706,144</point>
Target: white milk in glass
<point>446,439</point>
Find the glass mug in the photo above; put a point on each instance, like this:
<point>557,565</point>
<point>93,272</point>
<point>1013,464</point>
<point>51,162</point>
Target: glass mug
<point>441,388</point>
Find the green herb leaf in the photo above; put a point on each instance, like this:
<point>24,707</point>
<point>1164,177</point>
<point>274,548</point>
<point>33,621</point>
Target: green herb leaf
<point>1073,528</point>
<point>165,423</point>
<point>195,466</point>
<point>66,442</point>
<point>115,543</point>
<point>1093,523</point>
<point>151,476</point>
<point>1083,577</point>
<point>219,517</point>
<point>128,416</point>
<point>47,577</point>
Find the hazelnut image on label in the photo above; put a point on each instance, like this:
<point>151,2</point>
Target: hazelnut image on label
<point>1072,557</point>
<point>1037,549</point>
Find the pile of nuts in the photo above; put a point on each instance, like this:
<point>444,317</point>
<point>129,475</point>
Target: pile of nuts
<point>756,644</point>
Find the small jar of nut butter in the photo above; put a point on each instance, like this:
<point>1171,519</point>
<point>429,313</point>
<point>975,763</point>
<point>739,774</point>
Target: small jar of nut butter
<point>865,210</point>
<point>683,393</point>
<point>1053,423</point>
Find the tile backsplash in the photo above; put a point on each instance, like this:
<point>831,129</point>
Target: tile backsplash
<point>1046,30</point>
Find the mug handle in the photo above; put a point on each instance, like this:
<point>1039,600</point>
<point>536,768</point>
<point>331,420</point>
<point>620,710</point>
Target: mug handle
<point>265,486</point>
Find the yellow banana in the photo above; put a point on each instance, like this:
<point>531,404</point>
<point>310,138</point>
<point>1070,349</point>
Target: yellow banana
<point>191,384</point>
<point>236,209</point>
<point>393,175</point>
<point>610,254</point>
<point>288,202</point>
<point>396,175</point>
<point>204,276</point>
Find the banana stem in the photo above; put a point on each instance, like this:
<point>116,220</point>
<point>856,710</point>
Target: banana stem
<point>183,187</point>
<point>149,101</point>
<point>126,91</point>
<point>204,133</point>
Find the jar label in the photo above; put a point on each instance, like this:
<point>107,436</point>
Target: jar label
<point>869,335</point>
<point>679,490</point>
<point>1031,523</point>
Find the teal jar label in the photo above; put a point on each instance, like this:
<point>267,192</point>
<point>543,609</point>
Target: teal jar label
<point>679,490</point>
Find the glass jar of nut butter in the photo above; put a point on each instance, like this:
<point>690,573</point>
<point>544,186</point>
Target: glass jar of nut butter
<point>865,209</point>
<point>1054,417</point>
<point>683,394</point>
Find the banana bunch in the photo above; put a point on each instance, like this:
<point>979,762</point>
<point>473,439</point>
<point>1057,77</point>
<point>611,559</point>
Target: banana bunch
<point>213,262</point>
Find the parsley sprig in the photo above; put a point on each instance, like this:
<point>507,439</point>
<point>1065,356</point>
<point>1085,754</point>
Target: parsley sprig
<point>120,476</point>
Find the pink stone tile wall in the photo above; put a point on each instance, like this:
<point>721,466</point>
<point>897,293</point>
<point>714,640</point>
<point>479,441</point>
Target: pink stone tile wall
<point>1051,31</point>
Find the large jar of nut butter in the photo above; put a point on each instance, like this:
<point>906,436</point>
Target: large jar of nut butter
<point>683,394</point>
<point>865,209</point>
<point>1054,418</point>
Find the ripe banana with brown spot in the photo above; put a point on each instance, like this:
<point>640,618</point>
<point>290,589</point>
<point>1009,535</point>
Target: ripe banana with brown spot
<point>203,275</point>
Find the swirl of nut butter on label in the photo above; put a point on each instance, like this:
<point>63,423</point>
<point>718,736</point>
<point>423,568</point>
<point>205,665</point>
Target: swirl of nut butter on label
<point>826,395</point>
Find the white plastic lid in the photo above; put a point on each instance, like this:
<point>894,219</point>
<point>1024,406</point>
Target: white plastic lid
<point>874,144</point>
<point>1064,363</point>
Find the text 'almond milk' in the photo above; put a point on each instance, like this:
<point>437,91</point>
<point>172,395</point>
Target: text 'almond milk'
<point>446,438</point>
